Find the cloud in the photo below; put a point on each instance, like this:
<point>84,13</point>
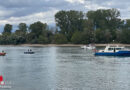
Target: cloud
<point>45,17</point>
<point>29,11</point>
<point>76,1</point>
<point>4,13</point>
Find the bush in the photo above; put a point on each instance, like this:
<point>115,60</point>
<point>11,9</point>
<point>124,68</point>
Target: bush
<point>42,40</point>
<point>60,39</point>
<point>76,38</point>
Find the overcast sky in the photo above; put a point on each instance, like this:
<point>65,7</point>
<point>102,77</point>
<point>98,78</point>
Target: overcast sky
<point>29,11</point>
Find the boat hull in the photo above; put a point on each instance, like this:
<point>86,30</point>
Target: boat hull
<point>120,53</point>
<point>2,54</point>
<point>29,52</point>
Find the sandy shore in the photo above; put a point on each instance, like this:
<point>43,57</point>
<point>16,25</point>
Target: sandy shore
<point>66,45</point>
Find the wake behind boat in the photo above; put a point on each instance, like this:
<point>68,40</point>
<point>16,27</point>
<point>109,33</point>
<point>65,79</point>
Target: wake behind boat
<point>113,51</point>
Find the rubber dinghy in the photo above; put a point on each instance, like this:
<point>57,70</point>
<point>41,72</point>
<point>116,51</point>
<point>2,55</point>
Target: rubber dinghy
<point>2,54</point>
<point>29,52</point>
<point>113,51</point>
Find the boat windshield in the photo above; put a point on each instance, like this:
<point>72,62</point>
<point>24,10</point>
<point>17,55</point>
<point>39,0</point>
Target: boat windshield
<point>115,48</point>
<point>110,48</point>
<point>118,48</point>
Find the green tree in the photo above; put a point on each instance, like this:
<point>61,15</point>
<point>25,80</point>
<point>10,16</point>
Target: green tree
<point>60,39</point>
<point>42,39</point>
<point>125,36</point>
<point>105,19</point>
<point>119,36</point>
<point>7,29</point>
<point>23,27</point>
<point>30,38</point>
<point>77,37</point>
<point>69,21</point>
<point>99,36</point>
<point>127,24</point>
<point>38,28</point>
<point>84,37</point>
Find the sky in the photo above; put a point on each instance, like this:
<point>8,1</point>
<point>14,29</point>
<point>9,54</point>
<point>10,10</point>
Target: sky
<point>29,11</point>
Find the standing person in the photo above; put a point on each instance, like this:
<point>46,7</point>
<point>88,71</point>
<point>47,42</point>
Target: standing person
<point>114,50</point>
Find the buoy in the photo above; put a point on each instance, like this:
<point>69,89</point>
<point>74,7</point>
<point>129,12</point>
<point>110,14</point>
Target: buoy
<point>1,78</point>
<point>1,81</point>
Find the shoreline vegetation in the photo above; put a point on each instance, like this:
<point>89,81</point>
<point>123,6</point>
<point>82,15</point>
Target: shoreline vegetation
<point>72,29</point>
<point>66,45</point>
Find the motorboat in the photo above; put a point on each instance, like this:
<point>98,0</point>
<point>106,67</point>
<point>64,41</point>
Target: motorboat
<point>113,51</point>
<point>90,47</point>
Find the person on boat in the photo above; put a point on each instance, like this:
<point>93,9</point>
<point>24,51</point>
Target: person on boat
<point>2,51</point>
<point>114,50</point>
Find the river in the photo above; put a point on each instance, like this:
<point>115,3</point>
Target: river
<point>63,68</point>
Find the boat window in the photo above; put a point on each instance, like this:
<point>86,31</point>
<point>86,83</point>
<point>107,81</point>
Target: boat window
<point>110,48</point>
<point>118,48</point>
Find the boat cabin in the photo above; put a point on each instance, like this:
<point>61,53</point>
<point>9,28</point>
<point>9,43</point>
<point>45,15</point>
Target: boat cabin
<point>112,49</point>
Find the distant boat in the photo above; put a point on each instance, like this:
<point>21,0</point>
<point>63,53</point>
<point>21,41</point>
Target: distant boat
<point>113,51</point>
<point>2,54</point>
<point>29,52</point>
<point>90,47</point>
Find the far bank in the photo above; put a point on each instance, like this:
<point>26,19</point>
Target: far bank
<point>65,45</point>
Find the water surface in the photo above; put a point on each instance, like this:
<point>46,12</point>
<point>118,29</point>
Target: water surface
<point>63,68</point>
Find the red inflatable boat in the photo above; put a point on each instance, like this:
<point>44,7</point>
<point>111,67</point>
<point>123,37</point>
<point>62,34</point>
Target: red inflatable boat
<point>2,54</point>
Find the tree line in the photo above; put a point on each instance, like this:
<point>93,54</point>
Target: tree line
<point>76,27</point>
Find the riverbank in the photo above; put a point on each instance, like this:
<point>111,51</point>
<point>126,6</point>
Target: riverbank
<point>66,45</point>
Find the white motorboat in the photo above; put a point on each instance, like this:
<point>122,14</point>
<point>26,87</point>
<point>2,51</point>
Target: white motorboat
<point>90,47</point>
<point>113,51</point>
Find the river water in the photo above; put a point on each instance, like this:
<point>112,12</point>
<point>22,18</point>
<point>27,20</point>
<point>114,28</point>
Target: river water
<point>63,68</point>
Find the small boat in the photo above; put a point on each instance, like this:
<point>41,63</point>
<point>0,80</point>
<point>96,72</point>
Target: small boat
<point>2,54</point>
<point>29,52</point>
<point>84,47</point>
<point>113,51</point>
<point>90,47</point>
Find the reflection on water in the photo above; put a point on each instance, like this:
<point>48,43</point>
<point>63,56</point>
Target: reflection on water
<point>63,68</point>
